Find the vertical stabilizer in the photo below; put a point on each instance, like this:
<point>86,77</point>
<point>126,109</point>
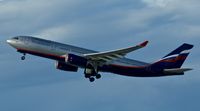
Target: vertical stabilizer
<point>175,59</point>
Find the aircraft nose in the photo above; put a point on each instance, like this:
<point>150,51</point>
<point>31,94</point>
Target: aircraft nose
<point>9,41</point>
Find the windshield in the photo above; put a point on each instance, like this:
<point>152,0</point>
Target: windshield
<point>16,38</point>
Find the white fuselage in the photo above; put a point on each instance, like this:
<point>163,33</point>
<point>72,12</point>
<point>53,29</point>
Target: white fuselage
<point>59,49</point>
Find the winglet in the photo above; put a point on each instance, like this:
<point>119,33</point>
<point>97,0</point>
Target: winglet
<point>144,44</point>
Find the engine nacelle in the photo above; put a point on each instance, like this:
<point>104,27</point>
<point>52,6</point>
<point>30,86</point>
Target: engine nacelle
<point>76,60</point>
<point>66,67</point>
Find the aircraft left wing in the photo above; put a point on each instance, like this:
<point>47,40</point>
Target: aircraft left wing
<point>114,54</point>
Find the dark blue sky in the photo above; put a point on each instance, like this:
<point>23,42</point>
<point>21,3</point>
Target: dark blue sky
<point>100,25</point>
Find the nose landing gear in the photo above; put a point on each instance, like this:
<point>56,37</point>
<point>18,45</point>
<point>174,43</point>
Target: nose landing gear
<point>23,57</point>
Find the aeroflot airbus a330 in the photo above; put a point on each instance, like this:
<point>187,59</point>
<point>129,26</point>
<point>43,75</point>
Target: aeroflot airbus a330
<point>70,58</point>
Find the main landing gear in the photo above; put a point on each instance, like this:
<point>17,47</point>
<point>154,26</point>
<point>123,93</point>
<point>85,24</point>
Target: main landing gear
<point>91,73</point>
<point>23,57</point>
<point>92,77</point>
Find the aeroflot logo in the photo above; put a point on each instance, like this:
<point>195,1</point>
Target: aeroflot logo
<point>176,55</point>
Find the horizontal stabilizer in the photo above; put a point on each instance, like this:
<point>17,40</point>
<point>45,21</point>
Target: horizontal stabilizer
<point>176,70</point>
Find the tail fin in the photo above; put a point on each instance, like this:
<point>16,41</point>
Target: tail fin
<point>175,59</point>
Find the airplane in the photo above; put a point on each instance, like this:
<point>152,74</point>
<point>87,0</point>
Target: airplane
<point>71,58</point>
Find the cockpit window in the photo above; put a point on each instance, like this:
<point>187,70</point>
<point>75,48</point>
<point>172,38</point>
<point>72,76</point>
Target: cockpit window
<point>16,38</point>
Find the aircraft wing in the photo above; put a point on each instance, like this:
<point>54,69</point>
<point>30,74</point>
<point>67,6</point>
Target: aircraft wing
<point>114,54</point>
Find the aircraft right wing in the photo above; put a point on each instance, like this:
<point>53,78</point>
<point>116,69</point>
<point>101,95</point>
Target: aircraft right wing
<point>113,55</point>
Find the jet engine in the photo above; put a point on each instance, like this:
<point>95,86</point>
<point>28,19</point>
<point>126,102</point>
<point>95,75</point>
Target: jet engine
<point>66,67</point>
<point>76,60</point>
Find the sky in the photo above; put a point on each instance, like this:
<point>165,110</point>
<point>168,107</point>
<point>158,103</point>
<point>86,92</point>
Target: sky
<point>35,84</point>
